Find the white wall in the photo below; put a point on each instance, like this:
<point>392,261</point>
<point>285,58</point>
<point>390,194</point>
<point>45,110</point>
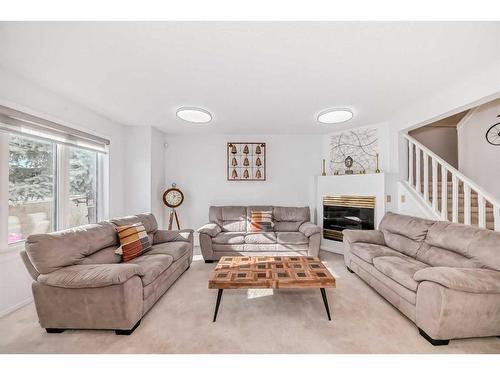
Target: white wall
<point>478,159</point>
<point>198,165</point>
<point>158,185</point>
<point>21,94</point>
<point>441,140</point>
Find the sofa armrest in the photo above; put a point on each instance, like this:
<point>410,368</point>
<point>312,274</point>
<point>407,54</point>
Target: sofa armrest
<point>308,229</point>
<point>368,236</point>
<point>472,280</point>
<point>162,236</point>
<point>91,275</point>
<point>212,229</point>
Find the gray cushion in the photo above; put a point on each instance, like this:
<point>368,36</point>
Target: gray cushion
<point>464,279</point>
<point>294,238</point>
<point>229,218</point>
<point>103,256</point>
<point>480,245</point>
<point>91,275</point>
<point>368,251</point>
<point>400,269</point>
<point>414,228</point>
<point>162,236</point>
<point>148,220</point>
<point>260,238</point>
<point>151,266</point>
<point>289,219</point>
<point>439,257</point>
<point>230,238</point>
<point>175,249</point>
<point>51,251</point>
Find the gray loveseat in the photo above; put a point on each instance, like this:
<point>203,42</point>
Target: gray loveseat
<point>444,277</point>
<point>80,283</point>
<point>228,233</point>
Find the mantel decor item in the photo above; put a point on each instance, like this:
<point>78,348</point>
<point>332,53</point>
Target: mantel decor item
<point>173,198</point>
<point>246,161</point>
<point>359,144</point>
<point>348,163</point>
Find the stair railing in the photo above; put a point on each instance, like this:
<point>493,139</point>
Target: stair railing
<point>426,185</point>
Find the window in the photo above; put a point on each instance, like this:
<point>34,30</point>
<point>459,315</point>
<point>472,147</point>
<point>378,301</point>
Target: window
<point>31,188</point>
<point>52,177</point>
<point>82,186</point>
<point>35,204</point>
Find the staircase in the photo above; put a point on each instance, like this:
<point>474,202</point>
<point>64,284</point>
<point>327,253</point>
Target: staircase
<point>447,192</point>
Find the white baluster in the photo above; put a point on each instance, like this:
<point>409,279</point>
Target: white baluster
<point>444,193</point>
<point>410,163</point>
<point>467,204</point>
<point>417,169</point>
<point>426,177</point>
<point>454,198</point>
<point>481,204</point>
<point>434,185</point>
<point>496,218</point>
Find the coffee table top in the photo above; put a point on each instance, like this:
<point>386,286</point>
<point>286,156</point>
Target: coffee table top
<point>266,272</point>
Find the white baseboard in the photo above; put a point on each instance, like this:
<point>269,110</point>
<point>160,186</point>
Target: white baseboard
<point>17,306</point>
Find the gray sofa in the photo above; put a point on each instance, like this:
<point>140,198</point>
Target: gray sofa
<point>444,277</point>
<point>227,233</point>
<point>80,283</point>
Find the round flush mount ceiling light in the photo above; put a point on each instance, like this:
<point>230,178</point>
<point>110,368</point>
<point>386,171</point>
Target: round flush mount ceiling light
<point>334,116</point>
<point>196,115</point>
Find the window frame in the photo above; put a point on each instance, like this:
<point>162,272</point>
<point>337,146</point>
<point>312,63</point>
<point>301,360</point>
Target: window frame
<point>61,189</point>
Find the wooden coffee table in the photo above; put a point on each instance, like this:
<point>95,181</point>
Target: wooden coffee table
<point>270,272</point>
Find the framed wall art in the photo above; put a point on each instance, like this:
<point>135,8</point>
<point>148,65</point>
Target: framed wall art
<point>246,161</point>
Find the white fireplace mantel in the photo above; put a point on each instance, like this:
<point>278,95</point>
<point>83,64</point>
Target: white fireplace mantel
<point>359,184</point>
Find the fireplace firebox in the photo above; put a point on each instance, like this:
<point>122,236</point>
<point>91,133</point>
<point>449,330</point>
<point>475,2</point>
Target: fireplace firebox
<point>346,212</point>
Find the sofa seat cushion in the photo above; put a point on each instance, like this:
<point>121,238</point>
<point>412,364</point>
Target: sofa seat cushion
<point>400,269</point>
<point>152,265</point>
<point>260,238</point>
<point>91,275</point>
<point>230,238</point>
<point>175,249</point>
<point>368,251</point>
<point>293,238</point>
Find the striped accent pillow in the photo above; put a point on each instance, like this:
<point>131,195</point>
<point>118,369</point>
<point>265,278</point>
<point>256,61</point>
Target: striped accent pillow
<point>261,221</point>
<point>134,241</point>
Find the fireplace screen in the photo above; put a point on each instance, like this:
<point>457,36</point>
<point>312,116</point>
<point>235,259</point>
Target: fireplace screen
<point>346,212</point>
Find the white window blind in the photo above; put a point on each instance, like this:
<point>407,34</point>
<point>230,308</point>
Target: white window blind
<point>17,122</point>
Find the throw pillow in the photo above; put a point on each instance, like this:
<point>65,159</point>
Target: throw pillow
<point>134,241</point>
<point>261,221</point>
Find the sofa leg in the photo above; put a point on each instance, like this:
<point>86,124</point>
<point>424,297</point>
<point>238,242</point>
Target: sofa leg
<point>208,261</point>
<point>431,340</point>
<point>126,332</point>
<point>351,271</point>
<point>55,330</point>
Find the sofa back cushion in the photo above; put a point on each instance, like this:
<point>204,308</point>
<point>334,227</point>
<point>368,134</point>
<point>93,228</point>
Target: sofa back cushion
<point>404,233</point>
<point>148,220</point>
<point>52,251</point>
<point>229,218</point>
<point>459,245</point>
<point>289,219</point>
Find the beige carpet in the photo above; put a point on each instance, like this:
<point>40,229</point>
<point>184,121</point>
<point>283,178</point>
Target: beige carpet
<point>255,321</point>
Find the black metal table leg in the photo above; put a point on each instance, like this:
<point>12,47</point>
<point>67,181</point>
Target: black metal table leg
<point>219,296</point>
<point>325,301</point>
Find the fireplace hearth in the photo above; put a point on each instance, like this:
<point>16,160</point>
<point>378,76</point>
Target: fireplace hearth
<point>346,212</point>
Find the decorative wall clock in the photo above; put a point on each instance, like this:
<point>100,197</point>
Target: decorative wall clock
<point>246,161</point>
<point>173,198</point>
<point>493,134</point>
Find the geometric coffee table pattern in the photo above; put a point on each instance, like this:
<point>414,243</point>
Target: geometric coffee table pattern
<point>270,272</point>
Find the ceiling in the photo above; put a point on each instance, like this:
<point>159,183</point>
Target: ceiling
<point>254,77</point>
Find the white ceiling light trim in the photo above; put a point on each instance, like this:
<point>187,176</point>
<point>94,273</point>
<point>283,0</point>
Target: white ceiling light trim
<point>193,114</point>
<point>335,115</point>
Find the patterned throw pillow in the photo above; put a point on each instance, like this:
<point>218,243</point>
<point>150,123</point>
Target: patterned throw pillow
<point>134,241</point>
<point>261,221</point>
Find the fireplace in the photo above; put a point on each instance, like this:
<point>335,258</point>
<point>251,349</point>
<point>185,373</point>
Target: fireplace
<point>346,212</point>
